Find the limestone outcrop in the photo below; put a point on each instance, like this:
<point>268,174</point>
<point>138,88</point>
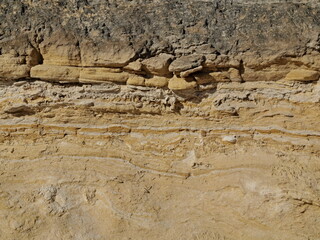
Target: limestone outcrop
<point>160,119</point>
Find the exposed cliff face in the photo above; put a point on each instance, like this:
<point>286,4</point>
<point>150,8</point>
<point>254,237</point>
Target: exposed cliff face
<point>255,41</point>
<point>159,119</point>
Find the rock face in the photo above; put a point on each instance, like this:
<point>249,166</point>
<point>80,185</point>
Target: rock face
<point>160,119</point>
<point>303,75</point>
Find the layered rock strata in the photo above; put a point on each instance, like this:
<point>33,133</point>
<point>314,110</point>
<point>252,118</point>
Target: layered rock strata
<point>109,161</point>
<point>221,41</point>
<point>160,120</point>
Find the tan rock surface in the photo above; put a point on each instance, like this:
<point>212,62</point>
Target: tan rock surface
<point>136,80</point>
<point>177,83</point>
<point>61,49</point>
<point>234,75</point>
<point>13,71</point>
<point>110,160</point>
<point>13,67</point>
<point>101,161</point>
<point>224,146</point>
<point>157,81</point>
<point>96,75</point>
<point>55,73</point>
<point>302,75</point>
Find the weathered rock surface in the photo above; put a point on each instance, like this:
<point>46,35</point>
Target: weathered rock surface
<point>303,75</point>
<point>159,119</point>
<point>159,65</point>
<point>97,161</point>
<point>185,63</point>
<point>160,82</point>
<point>177,83</point>
<point>55,73</point>
<point>96,75</point>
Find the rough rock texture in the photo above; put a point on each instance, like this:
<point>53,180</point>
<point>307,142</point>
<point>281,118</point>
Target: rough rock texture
<point>160,119</point>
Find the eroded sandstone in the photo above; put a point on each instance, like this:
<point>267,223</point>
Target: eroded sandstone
<point>159,120</point>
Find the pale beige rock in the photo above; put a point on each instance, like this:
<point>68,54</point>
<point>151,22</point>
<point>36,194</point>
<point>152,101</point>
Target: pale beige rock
<point>311,60</point>
<point>79,160</point>
<point>102,75</point>
<point>157,81</point>
<point>229,139</point>
<point>177,83</point>
<point>55,73</point>
<point>13,66</point>
<point>158,65</point>
<point>136,80</point>
<point>109,161</point>
<point>302,75</point>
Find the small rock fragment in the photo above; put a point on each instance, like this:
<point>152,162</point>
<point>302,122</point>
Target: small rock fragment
<point>229,139</point>
<point>20,83</point>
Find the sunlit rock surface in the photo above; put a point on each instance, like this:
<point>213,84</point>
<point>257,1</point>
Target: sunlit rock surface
<point>159,120</point>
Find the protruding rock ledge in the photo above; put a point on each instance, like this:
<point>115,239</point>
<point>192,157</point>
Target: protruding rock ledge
<point>134,74</point>
<point>303,75</point>
<point>96,75</point>
<point>56,73</point>
<point>67,60</point>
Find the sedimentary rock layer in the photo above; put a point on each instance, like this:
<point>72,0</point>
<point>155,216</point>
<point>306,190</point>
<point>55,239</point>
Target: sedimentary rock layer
<point>234,40</point>
<point>114,162</point>
<point>159,120</point>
